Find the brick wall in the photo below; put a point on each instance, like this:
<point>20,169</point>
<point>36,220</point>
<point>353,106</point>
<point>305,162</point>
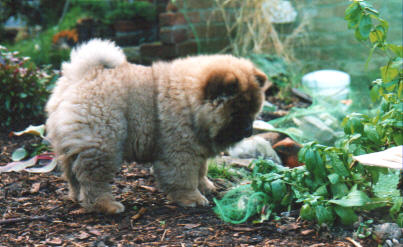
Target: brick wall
<point>187,27</point>
<point>195,26</point>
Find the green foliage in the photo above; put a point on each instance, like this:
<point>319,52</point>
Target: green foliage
<point>130,10</point>
<point>26,88</point>
<point>331,186</point>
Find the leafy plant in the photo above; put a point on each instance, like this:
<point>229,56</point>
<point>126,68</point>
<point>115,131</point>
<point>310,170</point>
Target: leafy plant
<point>130,10</point>
<point>25,88</point>
<point>331,186</point>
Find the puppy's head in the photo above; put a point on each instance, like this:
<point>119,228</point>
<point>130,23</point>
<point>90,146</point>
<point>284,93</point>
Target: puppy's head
<point>232,95</point>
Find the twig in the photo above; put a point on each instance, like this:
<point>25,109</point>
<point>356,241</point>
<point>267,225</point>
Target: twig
<point>355,243</point>
<point>163,235</point>
<point>22,219</point>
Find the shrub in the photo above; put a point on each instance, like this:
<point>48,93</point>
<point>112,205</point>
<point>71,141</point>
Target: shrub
<point>24,89</point>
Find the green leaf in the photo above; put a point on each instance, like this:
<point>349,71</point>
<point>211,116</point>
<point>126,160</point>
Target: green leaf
<point>397,49</point>
<point>397,206</point>
<point>347,215</point>
<point>333,178</point>
<point>339,167</point>
<point>278,190</point>
<point>355,198</point>
<point>321,191</point>
<point>372,134</point>
<point>339,190</point>
<point>374,93</point>
<point>306,212</point>
<point>388,73</point>
<point>365,26</point>
<point>324,214</point>
<point>352,11</point>
<point>19,154</point>
<point>377,35</point>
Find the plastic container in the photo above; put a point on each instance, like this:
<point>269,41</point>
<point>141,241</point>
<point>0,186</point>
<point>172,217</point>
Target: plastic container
<point>327,83</point>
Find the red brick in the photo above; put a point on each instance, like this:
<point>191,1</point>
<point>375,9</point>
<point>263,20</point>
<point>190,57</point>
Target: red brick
<point>186,48</point>
<point>193,17</point>
<point>171,19</point>
<point>173,35</point>
<point>157,50</point>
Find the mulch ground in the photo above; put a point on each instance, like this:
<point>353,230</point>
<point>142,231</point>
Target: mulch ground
<point>34,211</point>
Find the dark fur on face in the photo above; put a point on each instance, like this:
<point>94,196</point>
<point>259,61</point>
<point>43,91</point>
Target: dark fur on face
<point>242,103</point>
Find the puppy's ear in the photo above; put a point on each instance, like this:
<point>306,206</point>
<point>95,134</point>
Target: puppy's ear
<point>221,85</point>
<point>261,78</point>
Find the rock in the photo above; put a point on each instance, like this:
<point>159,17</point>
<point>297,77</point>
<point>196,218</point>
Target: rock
<point>254,147</point>
<point>288,150</point>
<point>388,243</point>
<point>387,231</point>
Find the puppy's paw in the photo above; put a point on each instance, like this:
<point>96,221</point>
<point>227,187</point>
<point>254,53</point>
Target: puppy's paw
<point>206,186</point>
<point>108,206</point>
<point>188,198</point>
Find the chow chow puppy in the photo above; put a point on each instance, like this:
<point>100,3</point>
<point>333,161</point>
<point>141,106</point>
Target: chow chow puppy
<point>104,110</point>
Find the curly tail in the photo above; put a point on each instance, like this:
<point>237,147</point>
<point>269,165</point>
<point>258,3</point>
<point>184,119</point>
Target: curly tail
<point>94,53</point>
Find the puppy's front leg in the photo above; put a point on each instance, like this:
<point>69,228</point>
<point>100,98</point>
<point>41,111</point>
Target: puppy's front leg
<point>205,185</point>
<point>180,180</point>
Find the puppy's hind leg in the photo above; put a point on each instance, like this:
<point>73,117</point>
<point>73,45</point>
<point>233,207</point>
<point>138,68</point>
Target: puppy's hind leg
<point>95,170</point>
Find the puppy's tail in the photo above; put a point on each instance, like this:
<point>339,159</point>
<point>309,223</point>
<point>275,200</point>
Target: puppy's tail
<point>92,54</point>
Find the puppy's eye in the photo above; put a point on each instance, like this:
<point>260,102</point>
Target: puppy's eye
<point>261,79</point>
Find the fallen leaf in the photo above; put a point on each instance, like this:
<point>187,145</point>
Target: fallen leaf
<point>307,232</point>
<point>35,187</point>
<point>149,188</point>
<point>54,241</point>
<point>289,227</point>
<point>191,226</point>
<point>95,232</point>
<point>83,235</point>
<point>139,213</point>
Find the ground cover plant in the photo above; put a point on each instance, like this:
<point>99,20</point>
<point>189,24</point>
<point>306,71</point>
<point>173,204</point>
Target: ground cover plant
<point>27,88</point>
<point>331,187</point>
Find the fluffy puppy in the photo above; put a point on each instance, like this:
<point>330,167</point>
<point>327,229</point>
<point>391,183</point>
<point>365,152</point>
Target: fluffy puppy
<point>104,110</point>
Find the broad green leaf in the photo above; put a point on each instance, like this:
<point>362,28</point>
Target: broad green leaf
<point>371,133</point>
<point>365,26</point>
<point>377,35</point>
<point>333,178</point>
<point>19,154</point>
<point>352,11</point>
<point>321,191</point>
<point>388,73</point>
<point>347,215</point>
<point>397,206</point>
<point>374,93</point>
<point>339,167</point>
<point>306,212</point>
<point>339,190</point>
<point>397,49</point>
<point>355,198</point>
<point>398,138</point>
<point>278,190</point>
<point>324,214</point>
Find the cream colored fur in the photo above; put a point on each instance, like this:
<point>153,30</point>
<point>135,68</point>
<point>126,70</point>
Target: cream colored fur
<point>104,110</point>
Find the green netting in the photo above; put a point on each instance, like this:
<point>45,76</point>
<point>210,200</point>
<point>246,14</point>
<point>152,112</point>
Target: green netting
<point>239,204</point>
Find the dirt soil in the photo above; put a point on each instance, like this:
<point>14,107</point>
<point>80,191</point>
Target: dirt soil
<point>34,211</point>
